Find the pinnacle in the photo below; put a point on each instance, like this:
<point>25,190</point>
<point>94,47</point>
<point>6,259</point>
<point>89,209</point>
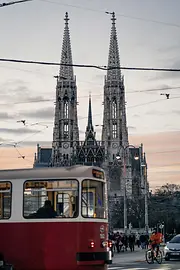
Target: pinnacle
<point>66,18</point>
<point>113,59</point>
<point>66,72</point>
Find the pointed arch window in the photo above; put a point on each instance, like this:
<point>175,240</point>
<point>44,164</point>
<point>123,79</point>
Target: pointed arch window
<point>114,109</point>
<point>66,108</point>
<point>66,131</point>
<point>114,131</point>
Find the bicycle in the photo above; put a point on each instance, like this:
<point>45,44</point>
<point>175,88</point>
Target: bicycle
<point>154,255</point>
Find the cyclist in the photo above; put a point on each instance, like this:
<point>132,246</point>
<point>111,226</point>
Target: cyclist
<point>156,240</point>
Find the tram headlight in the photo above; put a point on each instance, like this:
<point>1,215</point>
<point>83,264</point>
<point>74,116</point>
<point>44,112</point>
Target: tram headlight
<point>91,244</point>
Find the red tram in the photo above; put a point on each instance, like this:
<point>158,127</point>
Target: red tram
<point>71,234</point>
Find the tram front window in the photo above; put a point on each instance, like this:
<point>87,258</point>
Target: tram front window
<point>93,199</point>
<point>51,199</point>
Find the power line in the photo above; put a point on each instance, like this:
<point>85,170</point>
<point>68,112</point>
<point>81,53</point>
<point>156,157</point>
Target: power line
<point>117,14</point>
<point>151,102</point>
<point>93,95</point>
<point>154,89</point>
<point>94,83</point>
<point>94,115</point>
<point>12,3</point>
<point>103,67</point>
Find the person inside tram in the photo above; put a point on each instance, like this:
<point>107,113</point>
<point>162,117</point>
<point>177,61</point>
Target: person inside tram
<point>46,211</point>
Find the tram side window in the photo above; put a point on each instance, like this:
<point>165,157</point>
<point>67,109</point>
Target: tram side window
<point>5,200</point>
<point>93,199</point>
<point>51,199</point>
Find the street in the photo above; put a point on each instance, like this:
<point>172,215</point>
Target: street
<point>172,265</point>
<point>136,261</point>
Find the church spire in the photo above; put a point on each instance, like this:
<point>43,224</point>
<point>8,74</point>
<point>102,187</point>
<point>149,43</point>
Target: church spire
<point>66,131</point>
<point>113,59</point>
<point>90,125</point>
<point>66,72</point>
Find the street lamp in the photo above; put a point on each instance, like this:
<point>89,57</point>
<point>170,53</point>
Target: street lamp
<point>146,198</point>
<point>118,157</point>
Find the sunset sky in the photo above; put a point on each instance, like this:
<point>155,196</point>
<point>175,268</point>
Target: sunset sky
<point>149,36</point>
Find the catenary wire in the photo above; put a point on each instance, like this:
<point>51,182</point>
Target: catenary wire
<point>92,95</point>
<point>101,67</point>
<point>95,83</point>
<point>94,115</point>
<point>117,14</point>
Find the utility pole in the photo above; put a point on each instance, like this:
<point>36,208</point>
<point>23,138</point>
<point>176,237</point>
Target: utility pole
<point>125,198</point>
<point>146,200</point>
<point>125,156</point>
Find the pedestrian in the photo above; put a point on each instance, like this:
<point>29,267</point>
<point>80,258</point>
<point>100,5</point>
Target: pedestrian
<point>131,241</point>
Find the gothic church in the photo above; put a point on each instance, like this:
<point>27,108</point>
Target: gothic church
<point>67,149</point>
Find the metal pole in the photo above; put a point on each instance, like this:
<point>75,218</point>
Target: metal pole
<point>146,203</point>
<point>125,199</point>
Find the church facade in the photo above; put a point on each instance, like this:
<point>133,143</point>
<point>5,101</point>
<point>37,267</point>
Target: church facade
<point>68,150</point>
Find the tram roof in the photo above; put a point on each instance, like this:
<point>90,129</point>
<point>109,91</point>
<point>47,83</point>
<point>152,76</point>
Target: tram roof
<point>50,172</point>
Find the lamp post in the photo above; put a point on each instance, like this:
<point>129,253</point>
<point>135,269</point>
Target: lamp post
<point>146,198</point>
<point>124,179</point>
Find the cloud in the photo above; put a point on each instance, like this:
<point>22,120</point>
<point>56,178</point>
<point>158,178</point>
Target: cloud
<point>155,112</point>
<point>18,130</point>
<point>2,140</point>
<point>131,128</point>
<point>17,91</point>
<point>168,74</point>
<point>136,115</point>
<point>5,115</point>
<point>40,113</point>
<point>99,77</point>
<point>168,49</point>
<point>176,111</point>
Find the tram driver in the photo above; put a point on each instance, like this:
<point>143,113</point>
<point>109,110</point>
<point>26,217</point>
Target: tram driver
<point>46,211</point>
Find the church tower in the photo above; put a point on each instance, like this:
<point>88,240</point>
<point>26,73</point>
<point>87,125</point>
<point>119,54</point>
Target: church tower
<point>66,132</point>
<point>114,132</point>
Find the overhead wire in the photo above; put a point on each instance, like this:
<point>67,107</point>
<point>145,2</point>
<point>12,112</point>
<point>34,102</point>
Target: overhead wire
<point>100,67</point>
<point>92,95</point>
<point>13,3</point>
<point>94,115</point>
<point>117,14</point>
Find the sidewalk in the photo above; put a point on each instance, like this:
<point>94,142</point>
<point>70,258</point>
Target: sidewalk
<point>129,257</point>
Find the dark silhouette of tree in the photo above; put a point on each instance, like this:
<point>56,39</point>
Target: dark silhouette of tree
<point>163,207</point>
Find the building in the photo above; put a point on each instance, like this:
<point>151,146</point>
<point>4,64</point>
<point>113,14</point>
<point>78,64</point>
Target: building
<point>68,150</point>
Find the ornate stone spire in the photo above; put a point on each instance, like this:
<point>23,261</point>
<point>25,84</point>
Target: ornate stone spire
<point>115,132</point>
<point>113,59</point>
<point>90,125</point>
<point>66,131</point>
<point>66,72</point>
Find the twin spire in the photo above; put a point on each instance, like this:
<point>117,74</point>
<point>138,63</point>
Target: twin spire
<point>66,68</point>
